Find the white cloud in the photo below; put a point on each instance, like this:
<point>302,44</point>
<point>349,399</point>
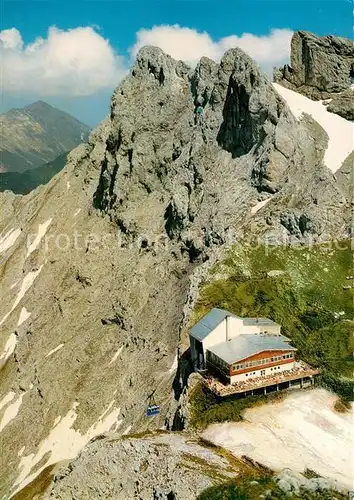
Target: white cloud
<point>270,50</point>
<point>181,43</point>
<point>189,45</point>
<point>11,39</point>
<point>73,62</point>
<point>81,62</point>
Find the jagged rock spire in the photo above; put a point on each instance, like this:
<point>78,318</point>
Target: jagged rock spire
<point>319,66</point>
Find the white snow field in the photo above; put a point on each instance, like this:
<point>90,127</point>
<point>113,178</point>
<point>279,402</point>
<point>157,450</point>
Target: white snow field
<point>115,357</point>
<point>53,351</point>
<point>9,239</point>
<point>27,282</point>
<point>259,205</point>
<point>302,431</point>
<point>11,412</point>
<point>127,430</point>
<point>24,315</point>
<point>340,131</point>
<point>7,399</point>
<point>8,349</point>
<point>63,443</point>
<point>174,366</point>
<point>42,229</point>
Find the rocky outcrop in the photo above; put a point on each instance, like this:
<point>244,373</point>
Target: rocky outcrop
<point>8,202</point>
<point>249,140</point>
<point>157,466</point>
<point>345,179</point>
<point>167,466</point>
<point>293,482</point>
<point>102,265</point>
<point>343,104</point>
<point>320,66</point>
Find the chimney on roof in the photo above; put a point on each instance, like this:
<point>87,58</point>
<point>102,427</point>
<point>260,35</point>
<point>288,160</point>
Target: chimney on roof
<point>227,328</point>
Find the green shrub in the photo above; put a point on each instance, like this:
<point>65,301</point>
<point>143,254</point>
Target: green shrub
<point>207,409</point>
<point>246,488</point>
<point>343,387</point>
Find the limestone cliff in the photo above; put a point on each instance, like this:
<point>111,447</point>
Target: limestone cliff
<point>321,68</point>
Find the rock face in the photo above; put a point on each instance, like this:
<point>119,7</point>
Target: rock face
<point>162,467</point>
<point>37,134</point>
<point>343,104</point>
<point>100,267</point>
<point>244,117</point>
<point>320,66</point>
<point>345,178</point>
<point>290,481</point>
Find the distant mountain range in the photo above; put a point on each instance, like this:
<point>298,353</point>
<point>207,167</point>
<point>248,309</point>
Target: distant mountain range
<point>24,183</point>
<point>37,134</point>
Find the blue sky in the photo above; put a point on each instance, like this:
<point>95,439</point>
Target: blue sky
<point>119,22</point>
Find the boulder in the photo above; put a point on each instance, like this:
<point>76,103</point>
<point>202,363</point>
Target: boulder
<point>343,104</point>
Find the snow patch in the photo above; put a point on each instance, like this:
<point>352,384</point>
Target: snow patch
<point>77,212</point>
<point>11,412</point>
<point>67,185</point>
<point>54,350</point>
<point>275,272</point>
<point>339,130</point>
<point>23,316</point>
<point>42,229</point>
<point>13,285</point>
<point>63,443</point>
<point>9,239</point>
<point>259,205</point>
<point>316,436</point>
<point>56,421</point>
<point>337,315</point>
<point>26,285</point>
<point>115,357</point>
<point>7,399</point>
<point>127,430</point>
<point>8,349</point>
<point>20,453</point>
<point>174,365</point>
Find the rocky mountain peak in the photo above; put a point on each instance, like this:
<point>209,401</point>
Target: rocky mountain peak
<point>320,66</point>
<point>154,61</point>
<point>156,150</point>
<point>39,105</point>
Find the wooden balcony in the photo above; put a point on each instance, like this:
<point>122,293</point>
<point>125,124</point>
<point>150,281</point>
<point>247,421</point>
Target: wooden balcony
<point>302,375</point>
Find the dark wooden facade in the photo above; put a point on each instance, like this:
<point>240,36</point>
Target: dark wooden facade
<point>262,360</point>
